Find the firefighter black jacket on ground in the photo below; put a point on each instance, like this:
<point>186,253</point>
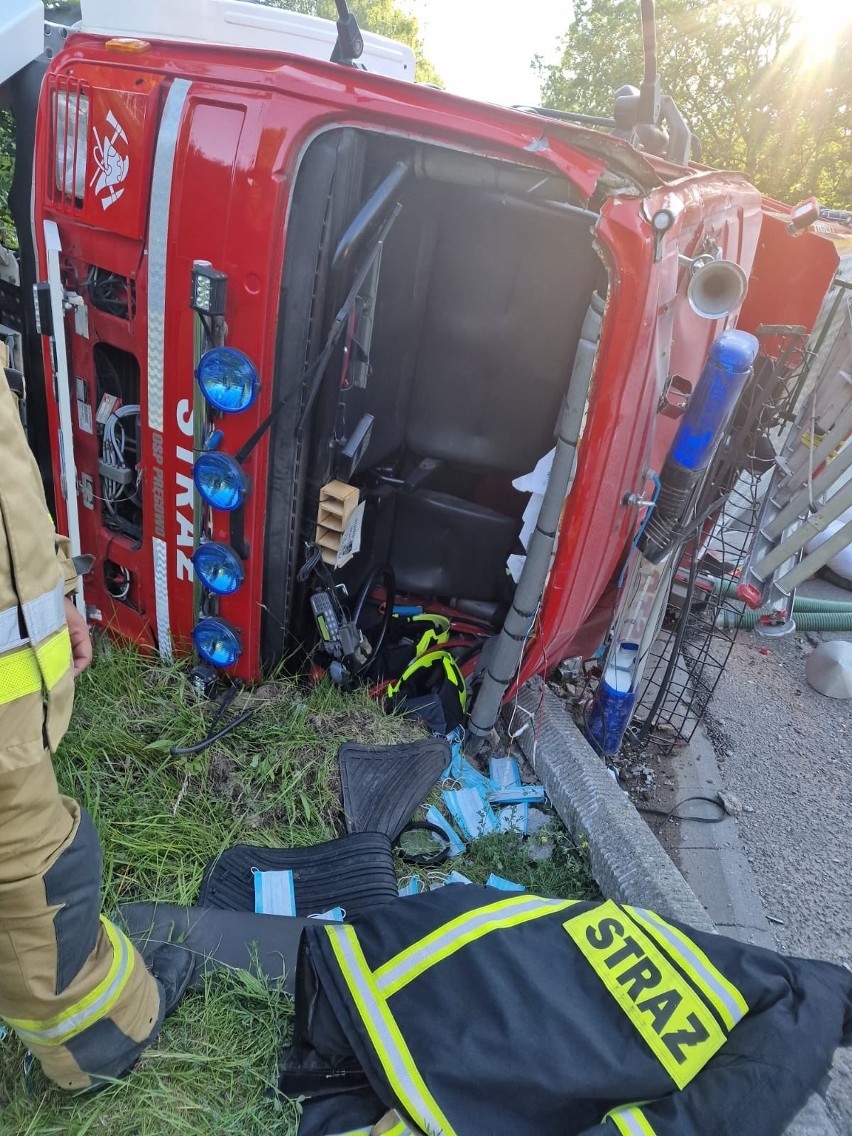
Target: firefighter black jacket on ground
<point>477,1015</point>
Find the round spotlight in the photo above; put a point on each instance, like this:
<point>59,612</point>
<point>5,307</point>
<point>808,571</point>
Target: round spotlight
<point>228,379</point>
<point>220,480</point>
<point>218,568</point>
<point>217,642</point>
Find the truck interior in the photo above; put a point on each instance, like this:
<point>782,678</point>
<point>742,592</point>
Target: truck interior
<point>453,288</point>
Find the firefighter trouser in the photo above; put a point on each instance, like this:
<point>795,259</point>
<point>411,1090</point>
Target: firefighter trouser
<point>71,984</point>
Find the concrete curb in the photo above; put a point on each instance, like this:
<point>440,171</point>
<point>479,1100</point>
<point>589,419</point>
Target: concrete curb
<point>711,858</point>
<point>627,861</point>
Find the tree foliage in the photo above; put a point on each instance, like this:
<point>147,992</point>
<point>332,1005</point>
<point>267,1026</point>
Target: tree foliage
<point>741,74</point>
<point>7,168</point>
<point>383,17</point>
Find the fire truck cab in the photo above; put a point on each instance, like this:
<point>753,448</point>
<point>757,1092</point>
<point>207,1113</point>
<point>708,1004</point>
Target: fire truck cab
<point>313,331</point>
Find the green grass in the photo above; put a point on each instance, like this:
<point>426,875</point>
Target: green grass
<point>274,781</point>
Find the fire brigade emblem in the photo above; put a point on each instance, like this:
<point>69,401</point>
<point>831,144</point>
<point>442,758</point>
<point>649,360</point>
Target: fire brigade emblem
<point>112,165</point>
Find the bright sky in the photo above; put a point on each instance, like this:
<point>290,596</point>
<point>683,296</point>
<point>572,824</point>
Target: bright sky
<point>484,49</point>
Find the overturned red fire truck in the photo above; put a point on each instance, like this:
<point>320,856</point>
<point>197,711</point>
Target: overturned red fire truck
<point>320,344</point>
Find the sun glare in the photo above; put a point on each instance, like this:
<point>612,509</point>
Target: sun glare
<point>819,26</point>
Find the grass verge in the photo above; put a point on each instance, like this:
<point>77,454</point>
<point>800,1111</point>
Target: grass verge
<point>274,781</point>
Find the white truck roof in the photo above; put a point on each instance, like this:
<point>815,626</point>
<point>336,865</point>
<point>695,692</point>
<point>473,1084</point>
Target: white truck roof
<point>238,23</point>
<point>21,35</point>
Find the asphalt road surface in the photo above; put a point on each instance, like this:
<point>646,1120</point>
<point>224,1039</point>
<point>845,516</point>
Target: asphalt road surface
<point>786,752</point>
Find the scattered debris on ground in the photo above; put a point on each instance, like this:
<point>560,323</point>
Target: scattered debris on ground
<point>272,782</point>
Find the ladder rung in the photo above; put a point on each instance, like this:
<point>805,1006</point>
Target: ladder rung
<point>810,528</point>
<point>812,563</point>
<point>799,504</point>
<point>802,462</point>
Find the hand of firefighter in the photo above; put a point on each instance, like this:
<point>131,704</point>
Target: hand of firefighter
<point>81,644</point>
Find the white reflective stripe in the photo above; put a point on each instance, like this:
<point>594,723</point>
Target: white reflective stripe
<point>45,615</point>
<point>161,591</point>
<point>10,630</point>
<point>629,1121</point>
<point>42,617</point>
<point>158,238</point>
<point>386,1038</point>
<point>75,1023</point>
<point>730,1008</point>
<point>435,947</point>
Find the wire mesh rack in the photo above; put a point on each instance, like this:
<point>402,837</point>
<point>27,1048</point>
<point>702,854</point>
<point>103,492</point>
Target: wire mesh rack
<point>693,646</point>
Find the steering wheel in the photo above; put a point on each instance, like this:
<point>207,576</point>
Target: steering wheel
<point>385,573</point>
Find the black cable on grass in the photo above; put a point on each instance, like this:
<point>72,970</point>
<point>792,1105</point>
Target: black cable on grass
<point>674,815</point>
<point>205,743</point>
<point>224,702</point>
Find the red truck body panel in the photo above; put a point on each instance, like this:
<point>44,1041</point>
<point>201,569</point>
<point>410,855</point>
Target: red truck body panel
<point>212,142</point>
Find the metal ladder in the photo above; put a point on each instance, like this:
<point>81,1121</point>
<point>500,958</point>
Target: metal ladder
<point>799,505</point>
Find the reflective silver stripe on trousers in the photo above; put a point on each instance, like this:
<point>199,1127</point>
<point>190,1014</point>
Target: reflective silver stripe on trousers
<point>414,959</point>
<point>158,238</point>
<point>388,1053</point>
<point>69,1027</point>
<point>42,617</point>
<point>680,948</point>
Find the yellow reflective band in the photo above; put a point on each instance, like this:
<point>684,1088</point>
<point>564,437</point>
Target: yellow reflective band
<point>451,671</point>
<point>96,1005</point>
<point>400,1129</point>
<point>54,657</point>
<point>465,929</point>
<point>19,675</point>
<point>661,1005</point>
<point>630,1121</point>
<point>436,635</point>
<point>388,1043</point>
<point>719,992</point>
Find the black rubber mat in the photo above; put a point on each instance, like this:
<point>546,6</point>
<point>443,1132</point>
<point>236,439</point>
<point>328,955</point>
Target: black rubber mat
<point>383,785</point>
<point>355,873</point>
<point>266,945</point>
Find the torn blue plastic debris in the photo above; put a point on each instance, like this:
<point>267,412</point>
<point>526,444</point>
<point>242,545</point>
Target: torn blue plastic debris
<point>495,881</point>
<point>471,812</point>
<point>518,795</point>
<point>457,878</point>
<point>452,878</point>
<point>460,768</point>
<point>411,886</point>
<point>274,893</point>
<point>334,915</point>
<point>514,818</point>
<point>457,845</point>
<point>506,774</point>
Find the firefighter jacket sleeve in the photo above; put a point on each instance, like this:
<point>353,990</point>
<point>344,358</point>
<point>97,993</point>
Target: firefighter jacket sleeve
<point>66,564</point>
<point>36,683</point>
<point>472,1013</point>
<point>33,475</point>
